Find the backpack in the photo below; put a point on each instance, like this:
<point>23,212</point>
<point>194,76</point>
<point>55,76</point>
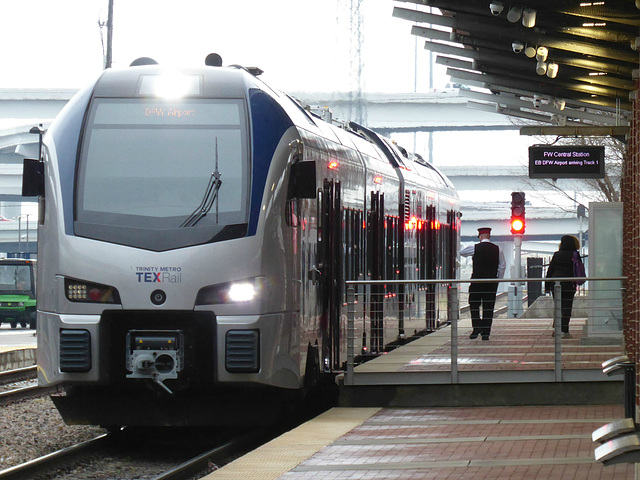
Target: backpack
<point>578,268</point>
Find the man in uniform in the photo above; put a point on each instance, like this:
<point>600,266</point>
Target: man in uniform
<point>488,262</point>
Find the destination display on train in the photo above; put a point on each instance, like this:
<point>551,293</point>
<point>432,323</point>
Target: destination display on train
<point>566,161</point>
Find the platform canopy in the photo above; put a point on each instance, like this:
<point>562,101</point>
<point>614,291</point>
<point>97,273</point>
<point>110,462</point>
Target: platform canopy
<point>564,62</point>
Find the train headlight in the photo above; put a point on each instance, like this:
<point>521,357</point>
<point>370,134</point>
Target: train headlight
<point>87,292</point>
<point>242,292</point>
<point>232,292</point>
<point>171,85</point>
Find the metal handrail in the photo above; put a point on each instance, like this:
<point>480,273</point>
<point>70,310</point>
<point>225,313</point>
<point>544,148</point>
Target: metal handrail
<point>348,380</point>
<point>479,280</point>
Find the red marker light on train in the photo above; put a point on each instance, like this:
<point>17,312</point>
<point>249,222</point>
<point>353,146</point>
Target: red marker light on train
<point>95,294</point>
<point>333,165</point>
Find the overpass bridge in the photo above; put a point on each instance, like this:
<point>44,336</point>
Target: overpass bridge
<point>484,188</point>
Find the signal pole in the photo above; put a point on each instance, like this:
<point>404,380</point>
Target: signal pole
<point>515,293</point>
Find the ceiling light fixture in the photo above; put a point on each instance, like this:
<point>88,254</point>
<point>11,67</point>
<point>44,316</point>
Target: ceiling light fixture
<point>530,51</point>
<point>542,53</point>
<point>528,17</point>
<point>552,70</point>
<point>515,13</point>
<point>541,68</point>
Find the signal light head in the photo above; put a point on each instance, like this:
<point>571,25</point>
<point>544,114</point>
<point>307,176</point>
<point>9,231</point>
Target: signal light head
<point>517,225</point>
<point>517,213</point>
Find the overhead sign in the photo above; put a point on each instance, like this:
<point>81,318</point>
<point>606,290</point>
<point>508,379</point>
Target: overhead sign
<point>547,161</point>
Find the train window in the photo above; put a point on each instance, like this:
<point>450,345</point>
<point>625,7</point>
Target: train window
<point>179,166</point>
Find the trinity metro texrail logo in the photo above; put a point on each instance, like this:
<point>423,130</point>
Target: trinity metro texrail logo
<point>159,274</point>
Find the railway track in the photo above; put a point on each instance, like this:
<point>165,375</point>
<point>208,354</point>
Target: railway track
<point>54,461</point>
<point>18,385</point>
<point>89,454</point>
<point>18,375</point>
<point>216,457</point>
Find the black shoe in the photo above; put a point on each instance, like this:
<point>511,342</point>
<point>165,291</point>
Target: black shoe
<point>485,337</point>
<point>473,336</point>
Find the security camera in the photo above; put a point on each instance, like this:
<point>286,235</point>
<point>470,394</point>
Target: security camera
<point>517,47</point>
<point>496,8</point>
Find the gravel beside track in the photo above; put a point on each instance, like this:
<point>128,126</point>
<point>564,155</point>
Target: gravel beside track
<point>33,428</point>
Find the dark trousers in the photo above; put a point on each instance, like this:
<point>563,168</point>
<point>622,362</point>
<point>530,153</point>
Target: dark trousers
<point>482,294</point>
<point>567,292</point>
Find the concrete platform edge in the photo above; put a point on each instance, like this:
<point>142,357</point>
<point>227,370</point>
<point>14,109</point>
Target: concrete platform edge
<point>21,358</point>
<point>483,395</point>
<point>276,458</point>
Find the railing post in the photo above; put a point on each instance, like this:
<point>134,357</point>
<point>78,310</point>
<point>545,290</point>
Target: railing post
<point>454,336</point>
<point>351,316</point>
<point>557,320</point>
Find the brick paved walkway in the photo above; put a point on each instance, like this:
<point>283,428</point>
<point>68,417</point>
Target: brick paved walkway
<point>475,443</point>
<point>488,443</point>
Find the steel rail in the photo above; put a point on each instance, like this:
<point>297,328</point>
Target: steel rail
<point>202,461</point>
<point>18,374</point>
<point>25,392</point>
<point>51,461</point>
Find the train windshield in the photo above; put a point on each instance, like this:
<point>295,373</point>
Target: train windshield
<point>162,174</point>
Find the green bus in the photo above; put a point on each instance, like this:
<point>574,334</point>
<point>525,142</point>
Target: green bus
<point>18,292</point>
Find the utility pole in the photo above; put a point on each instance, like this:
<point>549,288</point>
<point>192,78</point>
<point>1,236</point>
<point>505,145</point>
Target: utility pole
<point>107,63</point>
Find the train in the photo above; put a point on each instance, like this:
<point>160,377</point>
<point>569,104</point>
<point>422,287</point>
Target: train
<point>18,292</point>
<point>196,231</point>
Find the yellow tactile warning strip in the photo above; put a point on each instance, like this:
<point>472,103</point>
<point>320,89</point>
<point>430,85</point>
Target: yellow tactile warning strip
<point>284,453</point>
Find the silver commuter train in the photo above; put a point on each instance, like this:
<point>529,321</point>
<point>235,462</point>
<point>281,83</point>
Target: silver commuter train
<point>196,230</point>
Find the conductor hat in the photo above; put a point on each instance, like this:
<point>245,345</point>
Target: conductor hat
<point>484,230</point>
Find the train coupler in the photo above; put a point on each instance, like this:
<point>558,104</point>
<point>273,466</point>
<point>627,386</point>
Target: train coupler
<point>157,355</point>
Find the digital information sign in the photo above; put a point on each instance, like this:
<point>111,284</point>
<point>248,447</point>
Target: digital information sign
<point>547,161</point>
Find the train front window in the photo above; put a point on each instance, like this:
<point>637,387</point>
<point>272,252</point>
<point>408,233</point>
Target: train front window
<point>161,168</point>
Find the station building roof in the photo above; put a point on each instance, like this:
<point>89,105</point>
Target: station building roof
<point>558,61</point>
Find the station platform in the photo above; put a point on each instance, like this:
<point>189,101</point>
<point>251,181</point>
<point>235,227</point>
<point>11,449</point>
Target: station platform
<point>12,358</point>
<point>506,443</point>
<point>516,366</point>
<point>17,348</point>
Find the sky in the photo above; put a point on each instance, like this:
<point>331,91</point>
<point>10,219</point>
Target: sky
<point>302,45</point>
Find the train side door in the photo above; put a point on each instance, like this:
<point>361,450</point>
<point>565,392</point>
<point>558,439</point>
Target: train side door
<point>376,264</point>
<point>431,263</point>
<point>330,257</point>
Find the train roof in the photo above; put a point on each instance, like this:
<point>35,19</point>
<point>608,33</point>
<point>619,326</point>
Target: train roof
<point>140,81</point>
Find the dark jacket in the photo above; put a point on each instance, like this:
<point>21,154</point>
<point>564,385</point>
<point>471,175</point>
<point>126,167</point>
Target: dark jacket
<point>485,260</point>
<point>561,265</point>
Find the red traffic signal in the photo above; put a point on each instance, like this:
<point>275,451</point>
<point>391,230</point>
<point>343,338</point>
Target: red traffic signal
<point>517,225</point>
<point>517,213</point>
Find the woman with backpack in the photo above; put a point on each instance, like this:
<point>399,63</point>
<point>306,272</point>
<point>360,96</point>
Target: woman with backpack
<point>563,265</point>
